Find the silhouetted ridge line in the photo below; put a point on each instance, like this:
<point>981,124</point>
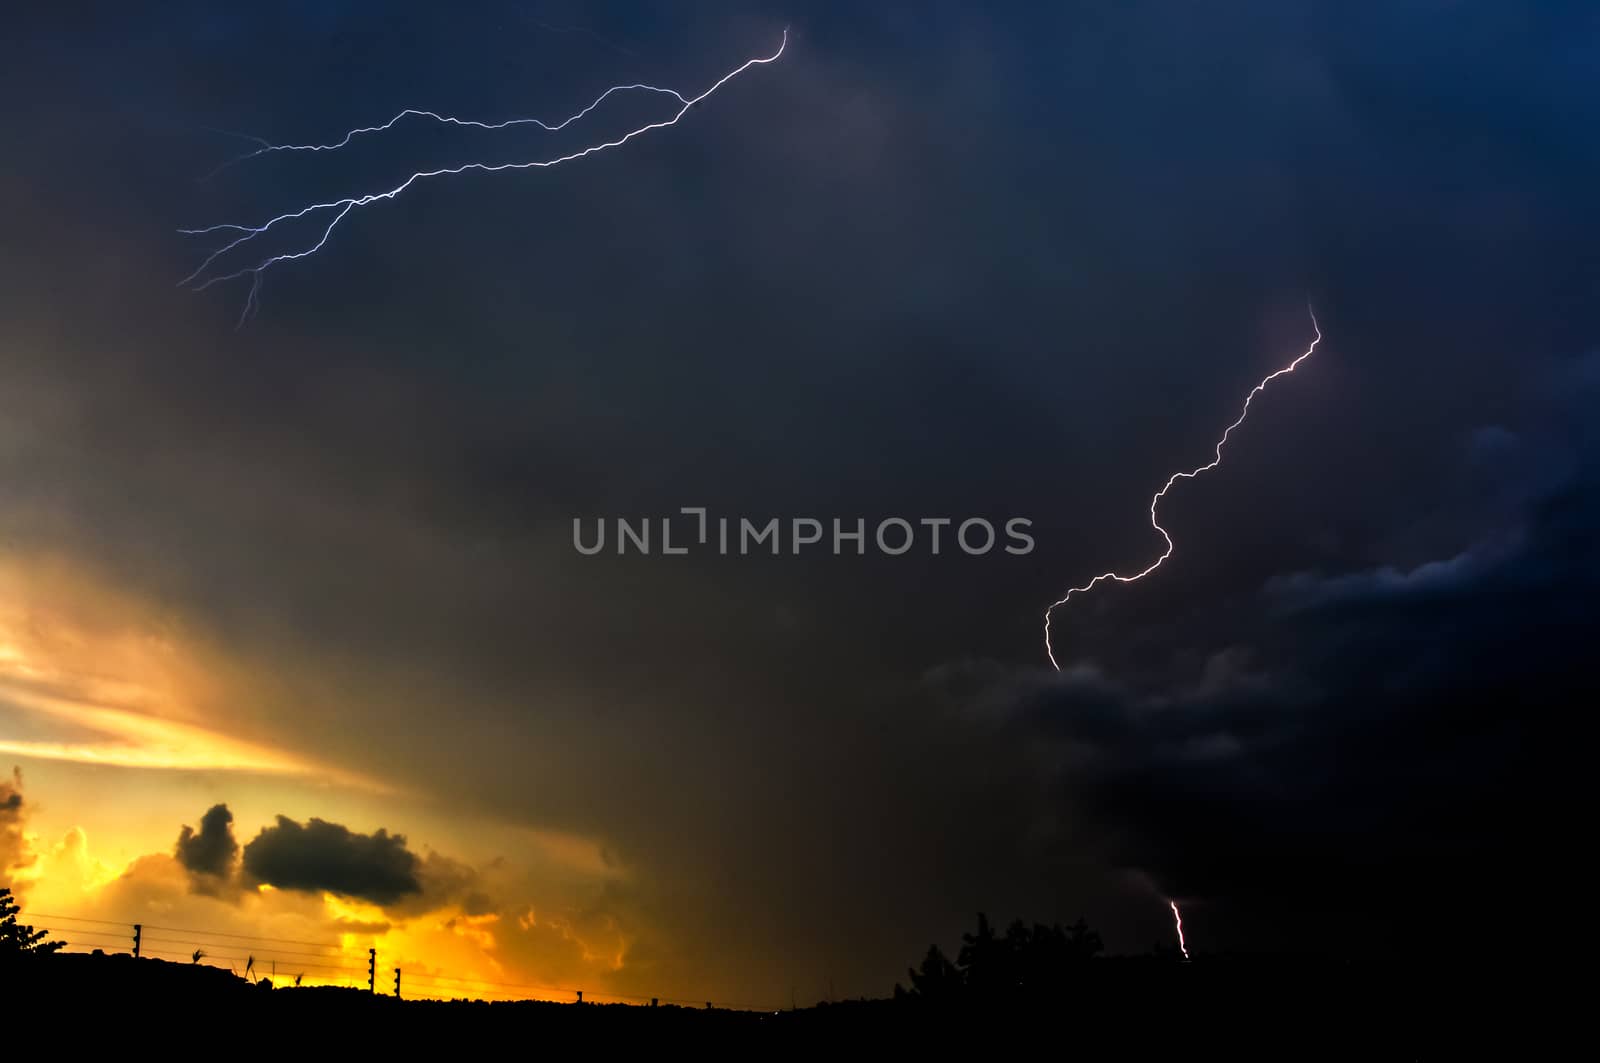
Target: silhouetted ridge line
<point>224,950</point>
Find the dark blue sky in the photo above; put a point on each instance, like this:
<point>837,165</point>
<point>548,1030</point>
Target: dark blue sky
<point>940,259</point>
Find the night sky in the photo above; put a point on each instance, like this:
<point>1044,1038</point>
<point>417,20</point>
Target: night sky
<point>937,260</point>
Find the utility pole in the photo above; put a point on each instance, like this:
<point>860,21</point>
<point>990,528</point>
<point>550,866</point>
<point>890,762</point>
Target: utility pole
<point>138,932</point>
<point>372,971</point>
<point>397,983</point>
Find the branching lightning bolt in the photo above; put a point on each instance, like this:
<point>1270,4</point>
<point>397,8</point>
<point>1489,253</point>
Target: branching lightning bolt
<point>337,210</point>
<point>268,148</point>
<point>1159,495</point>
<point>1177,920</point>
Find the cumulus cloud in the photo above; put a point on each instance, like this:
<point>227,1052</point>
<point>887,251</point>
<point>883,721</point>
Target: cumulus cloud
<point>15,852</point>
<point>319,856</point>
<point>209,854</point>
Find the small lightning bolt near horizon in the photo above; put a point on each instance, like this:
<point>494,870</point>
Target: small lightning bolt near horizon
<point>1177,919</point>
<point>337,210</point>
<point>1159,495</point>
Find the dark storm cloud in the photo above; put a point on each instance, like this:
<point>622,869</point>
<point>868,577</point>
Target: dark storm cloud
<point>209,853</point>
<point>1384,755</point>
<point>320,856</point>
<point>15,853</point>
<point>939,261</point>
<point>444,881</point>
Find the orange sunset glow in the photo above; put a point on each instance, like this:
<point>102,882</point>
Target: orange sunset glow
<point>110,699</point>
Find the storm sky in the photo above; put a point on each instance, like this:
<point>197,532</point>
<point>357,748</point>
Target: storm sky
<point>937,261</point>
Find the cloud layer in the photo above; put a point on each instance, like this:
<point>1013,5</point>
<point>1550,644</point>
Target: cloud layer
<point>941,261</point>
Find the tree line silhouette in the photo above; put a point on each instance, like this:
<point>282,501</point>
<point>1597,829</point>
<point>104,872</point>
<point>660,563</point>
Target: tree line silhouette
<point>1025,961</point>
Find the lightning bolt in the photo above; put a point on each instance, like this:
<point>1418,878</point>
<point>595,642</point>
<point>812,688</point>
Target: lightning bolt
<point>1177,920</point>
<point>445,119</point>
<point>1159,495</point>
<point>335,211</point>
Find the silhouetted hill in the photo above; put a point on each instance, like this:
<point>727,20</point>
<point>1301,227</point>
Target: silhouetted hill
<point>1288,1006</point>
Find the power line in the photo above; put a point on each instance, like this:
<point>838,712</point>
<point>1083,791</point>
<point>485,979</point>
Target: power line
<point>247,958</point>
<point>78,919</point>
<point>242,937</point>
<point>268,952</point>
<point>184,930</point>
<point>350,972</point>
<point>88,933</point>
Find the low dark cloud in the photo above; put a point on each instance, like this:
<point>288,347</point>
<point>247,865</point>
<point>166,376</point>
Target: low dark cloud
<point>210,853</point>
<point>15,853</point>
<point>448,881</point>
<point>320,856</point>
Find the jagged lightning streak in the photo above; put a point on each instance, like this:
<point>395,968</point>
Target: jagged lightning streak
<point>1177,920</point>
<point>1159,495</point>
<point>337,210</point>
<point>268,148</point>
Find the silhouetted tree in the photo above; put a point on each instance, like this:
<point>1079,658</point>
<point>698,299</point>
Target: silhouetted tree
<point>985,959</point>
<point>936,979</point>
<point>19,938</point>
<point>1083,943</point>
<point>1027,961</point>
